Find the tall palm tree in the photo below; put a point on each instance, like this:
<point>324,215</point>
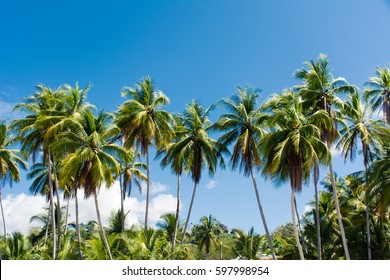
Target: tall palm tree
<point>131,173</point>
<point>243,126</point>
<point>94,160</point>
<point>10,161</point>
<point>143,123</point>
<point>34,136</point>
<point>319,92</point>
<point>366,130</point>
<point>206,233</point>
<point>197,149</point>
<point>176,161</point>
<point>377,91</point>
<point>290,150</point>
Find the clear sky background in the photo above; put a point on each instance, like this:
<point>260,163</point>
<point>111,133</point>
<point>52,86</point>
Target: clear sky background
<point>192,49</point>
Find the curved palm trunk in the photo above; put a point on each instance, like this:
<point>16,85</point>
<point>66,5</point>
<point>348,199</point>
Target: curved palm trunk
<point>51,195</point>
<point>147,189</point>
<point>337,206</point>
<point>2,210</point>
<point>177,216</point>
<point>263,216</point>
<point>47,228</point>
<point>101,225</point>
<point>189,214</point>
<point>366,200</point>
<point>318,223</point>
<point>77,221</point>
<point>295,226</point>
<point>299,226</point>
<point>386,108</point>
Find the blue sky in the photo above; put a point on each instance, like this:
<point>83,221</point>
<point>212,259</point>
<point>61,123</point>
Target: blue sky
<point>192,49</point>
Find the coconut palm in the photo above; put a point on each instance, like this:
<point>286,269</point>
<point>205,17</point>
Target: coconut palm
<point>131,174</point>
<point>10,161</point>
<point>176,161</point>
<point>243,126</point>
<point>94,161</point>
<point>247,245</point>
<point>196,148</point>
<point>319,92</point>
<point>143,123</point>
<point>366,130</point>
<point>206,233</point>
<point>377,92</point>
<point>290,150</point>
<point>33,134</point>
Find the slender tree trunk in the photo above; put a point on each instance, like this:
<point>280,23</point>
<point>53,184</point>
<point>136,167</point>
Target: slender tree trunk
<point>101,225</point>
<point>220,251</point>
<point>337,206</point>
<point>299,226</point>
<point>58,211</point>
<point>51,205</point>
<point>47,227</point>
<point>2,210</point>
<point>366,199</point>
<point>147,189</point>
<point>263,216</point>
<point>77,220</point>
<point>66,217</point>
<point>122,191</point>
<point>189,214</point>
<point>318,222</point>
<point>295,226</point>
<point>176,216</point>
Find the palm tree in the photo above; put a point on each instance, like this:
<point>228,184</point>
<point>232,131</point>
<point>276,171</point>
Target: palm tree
<point>33,134</point>
<point>367,130</point>
<point>94,161</point>
<point>319,92</point>
<point>206,233</point>
<point>176,161</point>
<point>10,161</point>
<point>243,126</point>
<point>377,91</point>
<point>143,123</point>
<point>247,245</point>
<point>290,150</point>
<point>196,148</point>
<point>132,174</point>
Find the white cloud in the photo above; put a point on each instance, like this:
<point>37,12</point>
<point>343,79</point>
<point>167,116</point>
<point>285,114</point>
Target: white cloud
<point>212,184</point>
<point>335,151</point>
<point>6,111</point>
<point>155,187</point>
<point>20,208</point>
<point>307,209</point>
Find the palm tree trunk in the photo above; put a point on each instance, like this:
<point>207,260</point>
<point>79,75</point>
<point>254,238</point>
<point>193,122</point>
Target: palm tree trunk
<point>299,227</point>
<point>101,225</point>
<point>189,214</point>
<point>58,211</point>
<point>295,226</point>
<point>122,191</point>
<point>66,217</point>
<point>47,228</point>
<point>318,223</point>
<point>365,151</point>
<point>77,220</point>
<point>2,210</point>
<point>51,196</point>
<point>177,215</point>
<point>337,206</point>
<point>263,216</point>
<point>147,189</point>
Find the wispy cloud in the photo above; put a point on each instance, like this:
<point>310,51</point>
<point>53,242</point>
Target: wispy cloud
<point>155,187</point>
<point>19,208</point>
<point>212,184</point>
